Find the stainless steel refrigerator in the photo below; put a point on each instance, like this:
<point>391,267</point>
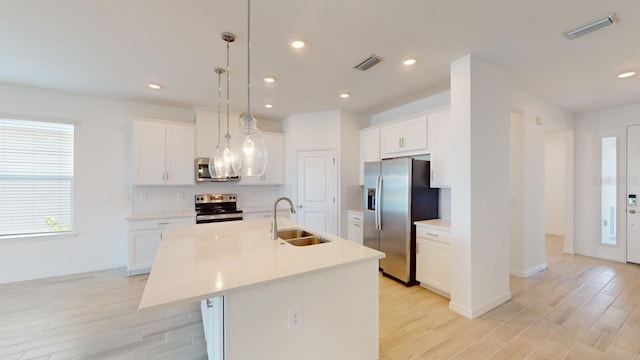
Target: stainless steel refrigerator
<point>397,193</point>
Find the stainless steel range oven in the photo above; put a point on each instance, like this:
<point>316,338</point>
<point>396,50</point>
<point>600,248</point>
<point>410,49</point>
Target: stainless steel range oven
<point>216,208</point>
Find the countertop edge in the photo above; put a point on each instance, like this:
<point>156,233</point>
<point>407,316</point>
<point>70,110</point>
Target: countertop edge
<point>214,294</point>
<point>437,224</point>
<point>161,215</point>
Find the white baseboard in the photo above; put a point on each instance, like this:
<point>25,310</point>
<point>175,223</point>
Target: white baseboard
<point>479,311</point>
<point>525,274</point>
<point>48,274</point>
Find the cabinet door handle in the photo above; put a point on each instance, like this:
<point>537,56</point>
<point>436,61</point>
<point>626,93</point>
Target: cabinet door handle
<point>356,218</point>
<point>430,234</point>
<point>432,175</point>
<point>209,303</point>
<point>356,225</point>
<point>163,223</point>
<point>418,248</point>
<point>402,142</point>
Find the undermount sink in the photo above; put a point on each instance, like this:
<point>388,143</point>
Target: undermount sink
<point>293,234</point>
<point>306,241</point>
<point>299,237</point>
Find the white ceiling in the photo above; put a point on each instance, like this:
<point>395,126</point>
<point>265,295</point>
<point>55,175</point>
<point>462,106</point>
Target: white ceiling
<point>113,48</point>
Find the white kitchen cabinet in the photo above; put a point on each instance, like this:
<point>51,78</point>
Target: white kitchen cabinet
<point>440,144</point>
<point>207,130</point>
<point>433,258</point>
<point>144,238</point>
<point>274,172</point>
<point>355,233</point>
<point>162,153</point>
<point>404,138</point>
<point>369,148</point>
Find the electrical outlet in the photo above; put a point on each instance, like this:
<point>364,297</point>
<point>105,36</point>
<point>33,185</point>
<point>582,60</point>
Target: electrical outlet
<point>294,318</point>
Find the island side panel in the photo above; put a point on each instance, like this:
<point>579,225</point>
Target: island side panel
<point>339,317</point>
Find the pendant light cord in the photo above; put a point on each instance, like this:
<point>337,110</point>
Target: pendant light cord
<point>249,61</point>
<point>227,136</point>
<point>219,100</point>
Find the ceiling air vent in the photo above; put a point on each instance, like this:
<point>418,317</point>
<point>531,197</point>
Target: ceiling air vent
<point>368,63</point>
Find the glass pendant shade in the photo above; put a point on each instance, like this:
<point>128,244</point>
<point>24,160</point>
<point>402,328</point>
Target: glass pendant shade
<point>248,149</point>
<point>222,160</point>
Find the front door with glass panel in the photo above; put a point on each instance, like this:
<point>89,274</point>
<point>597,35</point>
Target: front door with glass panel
<point>633,194</point>
<point>610,187</point>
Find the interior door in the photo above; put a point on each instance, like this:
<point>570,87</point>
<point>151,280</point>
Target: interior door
<point>633,192</point>
<point>317,189</point>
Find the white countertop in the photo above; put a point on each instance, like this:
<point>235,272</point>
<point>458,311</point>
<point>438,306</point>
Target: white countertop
<point>441,224</point>
<point>196,262</point>
<point>250,209</point>
<point>162,215</point>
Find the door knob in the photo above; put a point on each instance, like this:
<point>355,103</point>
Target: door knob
<point>632,211</point>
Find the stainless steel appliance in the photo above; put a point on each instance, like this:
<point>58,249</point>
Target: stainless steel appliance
<point>397,193</point>
<point>203,174</point>
<point>216,208</point>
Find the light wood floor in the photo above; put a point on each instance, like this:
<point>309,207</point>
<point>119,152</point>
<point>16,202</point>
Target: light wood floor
<point>580,308</point>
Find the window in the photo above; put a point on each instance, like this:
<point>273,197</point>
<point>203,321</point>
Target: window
<point>36,177</point>
<point>608,191</point>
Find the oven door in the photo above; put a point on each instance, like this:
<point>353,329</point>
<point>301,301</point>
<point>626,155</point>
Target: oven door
<point>203,219</point>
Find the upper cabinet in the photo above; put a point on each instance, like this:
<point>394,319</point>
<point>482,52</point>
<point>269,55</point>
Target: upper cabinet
<point>404,138</point>
<point>369,148</point>
<point>440,141</point>
<point>163,153</point>
<point>274,172</point>
<point>207,131</point>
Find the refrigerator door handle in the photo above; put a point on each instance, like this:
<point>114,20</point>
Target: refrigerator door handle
<point>378,203</point>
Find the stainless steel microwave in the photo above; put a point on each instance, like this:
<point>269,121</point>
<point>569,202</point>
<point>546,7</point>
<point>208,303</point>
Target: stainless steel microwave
<point>203,174</point>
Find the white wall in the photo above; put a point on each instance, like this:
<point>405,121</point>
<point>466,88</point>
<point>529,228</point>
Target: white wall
<point>101,182</point>
<point>426,104</point>
<point>480,188</point>
<point>528,204</point>
<point>554,196</point>
<point>349,162</point>
<point>311,131</point>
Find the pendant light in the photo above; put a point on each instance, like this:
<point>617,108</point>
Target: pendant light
<point>222,159</point>
<point>212,159</point>
<point>248,149</point>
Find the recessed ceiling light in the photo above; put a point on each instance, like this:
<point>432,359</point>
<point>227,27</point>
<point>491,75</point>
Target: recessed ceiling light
<point>155,86</point>
<point>627,74</point>
<point>344,95</point>
<point>269,79</point>
<point>297,43</point>
<point>268,106</point>
<point>409,62</point>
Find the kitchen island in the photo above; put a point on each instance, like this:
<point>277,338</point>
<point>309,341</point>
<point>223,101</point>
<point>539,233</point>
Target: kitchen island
<point>269,299</point>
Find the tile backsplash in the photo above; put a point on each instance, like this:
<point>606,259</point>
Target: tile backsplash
<point>151,199</point>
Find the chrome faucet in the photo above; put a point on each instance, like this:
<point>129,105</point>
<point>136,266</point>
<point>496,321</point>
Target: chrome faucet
<point>274,223</point>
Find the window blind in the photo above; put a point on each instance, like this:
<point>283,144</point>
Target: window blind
<point>36,177</point>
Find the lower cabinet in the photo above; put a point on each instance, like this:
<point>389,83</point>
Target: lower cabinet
<point>144,239</point>
<point>433,258</point>
<point>355,233</point>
